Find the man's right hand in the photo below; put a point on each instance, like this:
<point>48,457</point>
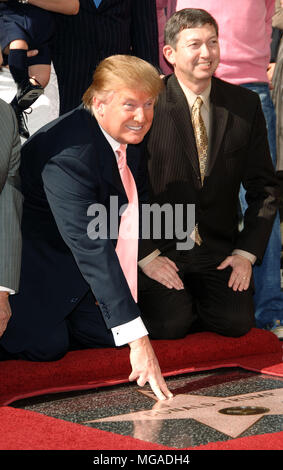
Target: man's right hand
<point>145,368</point>
<point>165,271</point>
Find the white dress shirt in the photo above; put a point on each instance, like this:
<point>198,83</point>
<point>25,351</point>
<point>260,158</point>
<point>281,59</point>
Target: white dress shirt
<point>6,289</point>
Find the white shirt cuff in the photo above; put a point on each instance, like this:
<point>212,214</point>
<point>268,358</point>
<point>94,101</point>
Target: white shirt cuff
<point>124,334</point>
<point>6,289</point>
<point>144,261</point>
<point>245,254</point>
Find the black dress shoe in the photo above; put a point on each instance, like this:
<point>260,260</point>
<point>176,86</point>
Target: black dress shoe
<point>21,118</point>
<point>28,93</point>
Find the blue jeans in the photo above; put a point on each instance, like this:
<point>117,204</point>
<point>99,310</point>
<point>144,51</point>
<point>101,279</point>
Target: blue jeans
<point>268,297</point>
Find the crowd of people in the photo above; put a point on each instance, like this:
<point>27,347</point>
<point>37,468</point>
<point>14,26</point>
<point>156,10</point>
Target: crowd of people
<point>162,104</point>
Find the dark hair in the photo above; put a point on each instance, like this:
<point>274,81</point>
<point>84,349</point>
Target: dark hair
<point>185,19</point>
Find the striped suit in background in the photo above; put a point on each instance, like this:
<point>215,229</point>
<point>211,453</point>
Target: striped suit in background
<point>10,199</point>
<point>81,41</point>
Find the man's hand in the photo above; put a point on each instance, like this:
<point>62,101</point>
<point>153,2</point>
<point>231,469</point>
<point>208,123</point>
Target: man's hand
<point>165,271</point>
<point>241,272</point>
<point>5,311</point>
<point>145,368</point>
<point>270,73</point>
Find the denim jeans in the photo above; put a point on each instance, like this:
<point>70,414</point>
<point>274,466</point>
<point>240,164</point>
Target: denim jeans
<point>268,297</point>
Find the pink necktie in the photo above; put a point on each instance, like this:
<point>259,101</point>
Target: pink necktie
<point>127,245</point>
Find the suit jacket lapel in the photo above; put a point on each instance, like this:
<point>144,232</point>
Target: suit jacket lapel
<point>106,156</point>
<point>180,113</point>
<point>107,159</point>
<point>110,169</point>
<point>219,117</point>
<point>103,4</point>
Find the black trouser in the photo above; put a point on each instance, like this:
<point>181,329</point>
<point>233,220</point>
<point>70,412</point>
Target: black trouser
<point>206,301</point>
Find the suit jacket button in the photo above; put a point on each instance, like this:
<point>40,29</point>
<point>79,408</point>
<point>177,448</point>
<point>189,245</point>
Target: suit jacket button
<point>74,299</point>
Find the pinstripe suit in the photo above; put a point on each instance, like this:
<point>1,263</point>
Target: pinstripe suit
<point>82,41</point>
<point>239,154</point>
<point>10,199</point>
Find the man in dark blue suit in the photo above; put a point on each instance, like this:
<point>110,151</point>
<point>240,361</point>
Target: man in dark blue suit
<point>73,291</point>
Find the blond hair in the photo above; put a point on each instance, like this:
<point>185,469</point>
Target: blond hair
<point>120,71</point>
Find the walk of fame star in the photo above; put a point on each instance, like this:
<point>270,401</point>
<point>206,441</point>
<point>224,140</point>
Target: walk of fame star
<point>207,410</point>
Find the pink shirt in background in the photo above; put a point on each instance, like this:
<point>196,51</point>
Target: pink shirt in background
<point>244,35</point>
<point>164,9</point>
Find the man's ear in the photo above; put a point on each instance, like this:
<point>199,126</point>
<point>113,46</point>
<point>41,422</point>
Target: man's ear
<point>98,105</point>
<point>169,54</point>
<point>101,100</point>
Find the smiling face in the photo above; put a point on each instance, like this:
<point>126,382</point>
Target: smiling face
<point>125,114</point>
<point>195,57</point>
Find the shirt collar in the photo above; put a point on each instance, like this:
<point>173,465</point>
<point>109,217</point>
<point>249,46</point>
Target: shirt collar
<point>191,96</point>
<point>113,143</point>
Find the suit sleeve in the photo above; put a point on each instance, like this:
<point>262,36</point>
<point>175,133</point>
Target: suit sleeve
<point>10,201</point>
<point>70,194</point>
<point>144,31</point>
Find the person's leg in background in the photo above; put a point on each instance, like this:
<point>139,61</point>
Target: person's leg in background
<point>268,298</point>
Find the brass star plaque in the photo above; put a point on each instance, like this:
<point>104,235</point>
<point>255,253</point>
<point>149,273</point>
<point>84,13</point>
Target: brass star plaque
<point>230,415</point>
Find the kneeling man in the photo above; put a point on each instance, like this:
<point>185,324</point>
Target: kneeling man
<point>77,287</point>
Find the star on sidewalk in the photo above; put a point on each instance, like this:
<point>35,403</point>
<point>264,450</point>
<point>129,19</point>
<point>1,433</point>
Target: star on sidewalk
<point>210,410</point>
